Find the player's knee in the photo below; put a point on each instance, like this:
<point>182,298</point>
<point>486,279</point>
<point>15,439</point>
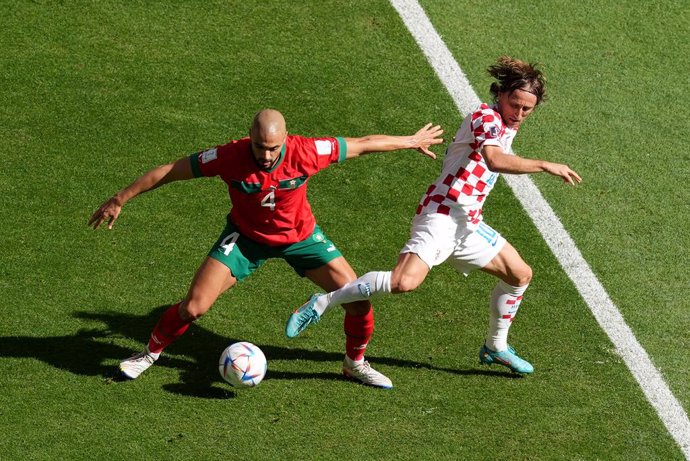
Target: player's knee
<point>194,308</point>
<point>523,276</point>
<point>404,283</point>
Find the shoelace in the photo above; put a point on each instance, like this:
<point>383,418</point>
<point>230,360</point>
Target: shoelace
<point>363,368</point>
<point>311,316</point>
<point>142,356</point>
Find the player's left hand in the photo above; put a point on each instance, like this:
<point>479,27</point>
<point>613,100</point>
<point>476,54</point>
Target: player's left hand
<point>564,171</point>
<point>426,137</point>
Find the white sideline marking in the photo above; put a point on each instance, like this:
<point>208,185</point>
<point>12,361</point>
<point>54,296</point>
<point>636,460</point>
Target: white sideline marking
<point>606,313</point>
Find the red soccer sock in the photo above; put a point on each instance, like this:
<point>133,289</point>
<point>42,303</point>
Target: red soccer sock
<point>358,331</point>
<point>170,327</point>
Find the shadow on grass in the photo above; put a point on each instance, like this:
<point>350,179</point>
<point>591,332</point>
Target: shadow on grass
<point>86,352</point>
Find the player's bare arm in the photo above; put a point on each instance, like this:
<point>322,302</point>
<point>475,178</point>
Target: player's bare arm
<point>421,141</point>
<point>163,174</point>
<point>500,162</point>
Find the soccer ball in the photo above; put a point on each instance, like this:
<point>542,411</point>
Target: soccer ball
<point>242,364</point>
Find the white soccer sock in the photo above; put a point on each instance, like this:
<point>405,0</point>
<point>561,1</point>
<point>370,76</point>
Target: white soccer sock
<point>353,363</point>
<point>365,287</point>
<point>505,301</point>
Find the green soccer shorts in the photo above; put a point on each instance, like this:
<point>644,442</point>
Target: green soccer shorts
<point>243,256</point>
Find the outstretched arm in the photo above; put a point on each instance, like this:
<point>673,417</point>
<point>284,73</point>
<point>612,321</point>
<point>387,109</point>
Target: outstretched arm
<point>421,141</point>
<point>110,209</point>
<point>500,162</point>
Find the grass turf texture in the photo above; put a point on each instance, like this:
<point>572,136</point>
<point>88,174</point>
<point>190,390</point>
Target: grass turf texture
<point>93,94</point>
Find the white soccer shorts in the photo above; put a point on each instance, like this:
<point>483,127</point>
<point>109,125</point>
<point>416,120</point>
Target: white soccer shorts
<point>436,238</point>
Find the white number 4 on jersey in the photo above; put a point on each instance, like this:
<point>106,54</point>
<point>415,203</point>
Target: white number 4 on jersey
<point>269,200</point>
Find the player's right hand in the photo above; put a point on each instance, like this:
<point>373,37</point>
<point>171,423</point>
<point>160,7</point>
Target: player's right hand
<point>108,211</point>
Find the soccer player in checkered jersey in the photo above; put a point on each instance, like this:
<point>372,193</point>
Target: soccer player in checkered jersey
<point>266,174</point>
<point>448,223</point>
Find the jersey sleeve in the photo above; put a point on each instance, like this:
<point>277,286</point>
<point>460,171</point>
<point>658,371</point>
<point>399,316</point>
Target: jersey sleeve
<point>315,154</point>
<point>207,162</point>
<point>486,126</point>
<point>329,150</point>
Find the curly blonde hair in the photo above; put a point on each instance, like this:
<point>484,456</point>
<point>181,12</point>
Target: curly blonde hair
<point>513,74</point>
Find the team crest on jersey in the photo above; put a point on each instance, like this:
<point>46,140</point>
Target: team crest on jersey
<point>209,155</point>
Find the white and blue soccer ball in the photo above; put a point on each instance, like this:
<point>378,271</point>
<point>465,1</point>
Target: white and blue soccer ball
<point>242,364</point>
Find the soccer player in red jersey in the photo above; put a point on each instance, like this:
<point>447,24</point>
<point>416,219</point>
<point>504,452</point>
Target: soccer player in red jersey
<point>270,217</point>
<point>448,223</point>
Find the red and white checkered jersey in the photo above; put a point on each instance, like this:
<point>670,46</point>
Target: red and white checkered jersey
<point>465,180</point>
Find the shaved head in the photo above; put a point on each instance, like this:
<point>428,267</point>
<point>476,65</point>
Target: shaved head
<point>267,134</point>
<point>268,122</point>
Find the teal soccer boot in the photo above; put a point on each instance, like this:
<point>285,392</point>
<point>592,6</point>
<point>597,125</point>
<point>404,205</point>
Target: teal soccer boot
<point>508,358</point>
<point>302,317</point>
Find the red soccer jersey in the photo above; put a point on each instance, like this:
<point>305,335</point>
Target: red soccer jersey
<point>270,207</point>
